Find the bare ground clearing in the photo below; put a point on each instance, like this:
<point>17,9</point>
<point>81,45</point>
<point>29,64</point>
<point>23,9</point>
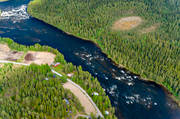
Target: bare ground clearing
<point>1,65</point>
<point>39,58</point>
<point>31,57</point>
<point>127,23</point>
<point>150,29</point>
<point>7,54</point>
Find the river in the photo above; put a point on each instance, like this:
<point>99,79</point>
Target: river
<point>133,98</point>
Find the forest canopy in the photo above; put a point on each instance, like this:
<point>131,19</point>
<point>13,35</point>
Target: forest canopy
<point>26,94</point>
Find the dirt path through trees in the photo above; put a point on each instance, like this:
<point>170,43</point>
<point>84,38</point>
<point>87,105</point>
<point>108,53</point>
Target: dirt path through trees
<point>88,107</point>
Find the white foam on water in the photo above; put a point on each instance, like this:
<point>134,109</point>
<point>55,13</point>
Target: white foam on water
<point>148,102</point>
<point>88,55</point>
<point>122,71</point>
<point>83,58</point>
<point>155,103</point>
<point>96,73</point>
<point>106,78</point>
<point>129,77</point>
<point>92,66</point>
<point>16,14</point>
<point>90,58</point>
<point>112,90</point>
<point>135,77</point>
<point>77,54</point>
<point>118,78</point>
<point>130,84</point>
<point>89,63</point>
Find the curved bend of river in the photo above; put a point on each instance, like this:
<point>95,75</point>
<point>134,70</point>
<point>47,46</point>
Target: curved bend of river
<point>132,98</point>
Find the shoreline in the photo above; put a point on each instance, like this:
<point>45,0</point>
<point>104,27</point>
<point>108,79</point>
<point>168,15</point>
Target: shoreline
<point>168,93</point>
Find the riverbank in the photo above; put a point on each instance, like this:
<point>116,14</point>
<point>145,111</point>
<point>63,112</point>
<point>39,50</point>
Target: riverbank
<point>129,62</point>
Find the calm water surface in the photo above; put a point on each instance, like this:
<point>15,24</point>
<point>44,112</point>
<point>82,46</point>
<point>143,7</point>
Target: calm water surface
<point>132,98</point>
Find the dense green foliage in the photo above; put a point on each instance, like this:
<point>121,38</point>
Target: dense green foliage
<point>26,94</point>
<point>153,55</point>
<point>84,79</point>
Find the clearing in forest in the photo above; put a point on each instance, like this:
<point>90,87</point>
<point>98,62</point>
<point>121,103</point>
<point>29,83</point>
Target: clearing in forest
<point>31,57</point>
<point>127,23</point>
<point>150,29</point>
<point>7,54</point>
<point>85,102</point>
<point>1,65</point>
<point>39,58</point>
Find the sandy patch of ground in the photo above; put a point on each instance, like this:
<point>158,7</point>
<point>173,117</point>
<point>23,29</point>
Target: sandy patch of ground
<point>7,54</point>
<point>4,48</point>
<point>3,0</point>
<point>150,29</point>
<point>1,65</point>
<point>89,108</point>
<point>39,58</point>
<point>127,23</point>
<point>31,57</point>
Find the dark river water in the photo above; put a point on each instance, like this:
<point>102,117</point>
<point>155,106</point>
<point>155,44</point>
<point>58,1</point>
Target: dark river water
<point>132,98</point>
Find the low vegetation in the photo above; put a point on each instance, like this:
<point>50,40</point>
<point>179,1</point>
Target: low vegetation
<point>153,54</point>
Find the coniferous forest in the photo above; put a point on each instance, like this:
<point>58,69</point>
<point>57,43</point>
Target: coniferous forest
<point>154,55</point>
<point>26,94</point>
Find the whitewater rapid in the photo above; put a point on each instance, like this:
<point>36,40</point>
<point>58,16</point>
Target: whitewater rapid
<point>15,14</point>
